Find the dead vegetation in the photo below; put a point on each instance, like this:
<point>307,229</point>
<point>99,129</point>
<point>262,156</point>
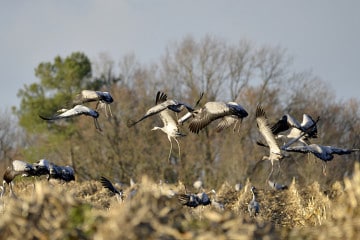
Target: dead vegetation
<point>85,210</point>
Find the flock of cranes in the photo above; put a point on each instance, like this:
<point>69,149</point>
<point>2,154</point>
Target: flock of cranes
<point>296,136</point>
<point>103,100</point>
<point>40,168</point>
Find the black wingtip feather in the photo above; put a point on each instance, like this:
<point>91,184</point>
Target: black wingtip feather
<point>45,118</point>
<point>160,97</point>
<point>260,112</point>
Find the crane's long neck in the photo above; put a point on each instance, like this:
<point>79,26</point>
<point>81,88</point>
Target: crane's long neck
<point>254,196</point>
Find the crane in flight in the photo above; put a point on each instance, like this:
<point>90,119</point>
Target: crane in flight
<point>230,113</point>
<point>103,99</point>
<point>75,111</point>
<point>275,153</point>
<point>164,108</point>
<point>287,122</point>
<point>325,153</point>
<point>265,130</point>
<point>161,104</point>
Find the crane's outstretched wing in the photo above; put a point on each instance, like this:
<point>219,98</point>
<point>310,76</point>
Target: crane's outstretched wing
<point>342,151</point>
<point>210,112</point>
<point>265,130</point>
<point>107,184</point>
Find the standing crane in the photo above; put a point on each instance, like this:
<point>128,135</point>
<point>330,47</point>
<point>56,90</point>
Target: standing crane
<point>16,168</point>
<point>253,206</point>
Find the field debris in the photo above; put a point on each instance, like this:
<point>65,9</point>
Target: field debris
<point>86,210</point>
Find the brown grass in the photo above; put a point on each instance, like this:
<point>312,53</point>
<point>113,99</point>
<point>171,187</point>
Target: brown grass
<point>88,211</point>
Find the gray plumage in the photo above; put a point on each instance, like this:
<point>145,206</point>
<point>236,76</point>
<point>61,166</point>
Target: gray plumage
<point>325,153</point>
<point>170,126</point>
<point>253,206</point>
<point>63,173</point>
<point>73,112</point>
<point>287,122</point>
<point>16,168</point>
<point>194,200</point>
<point>277,186</point>
<point>229,113</point>
<point>103,99</point>
<point>265,130</point>
<point>161,104</point>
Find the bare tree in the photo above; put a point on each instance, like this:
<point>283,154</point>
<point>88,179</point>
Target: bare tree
<point>11,138</point>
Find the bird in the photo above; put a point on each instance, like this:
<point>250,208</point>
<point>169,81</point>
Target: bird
<point>194,200</point>
<point>67,173</point>
<point>189,199</point>
<point>198,184</point>
<point>253,206</point>
<point>45,167</point>
<point>170,126</point>
<point>41,167</point>
<point>108,185</point>
<point>2,191</point>
<point>75,111</point>
<point>265,130</point>
<point>229,113</point>
<point>161,104</point>
<point>325,153</point>
<point>103,99</point>
<point>308,126</point>
<point>16,168</point>
<point>277,186</point>
<point>238,187</point>
<point>171,129</point>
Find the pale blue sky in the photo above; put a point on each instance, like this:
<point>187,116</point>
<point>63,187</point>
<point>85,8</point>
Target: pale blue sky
<point>322,36</point>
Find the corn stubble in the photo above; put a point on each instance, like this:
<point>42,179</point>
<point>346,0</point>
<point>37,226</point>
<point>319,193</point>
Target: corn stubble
<point>85,210</point>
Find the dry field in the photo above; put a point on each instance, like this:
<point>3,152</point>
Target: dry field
<point>88,211</point>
